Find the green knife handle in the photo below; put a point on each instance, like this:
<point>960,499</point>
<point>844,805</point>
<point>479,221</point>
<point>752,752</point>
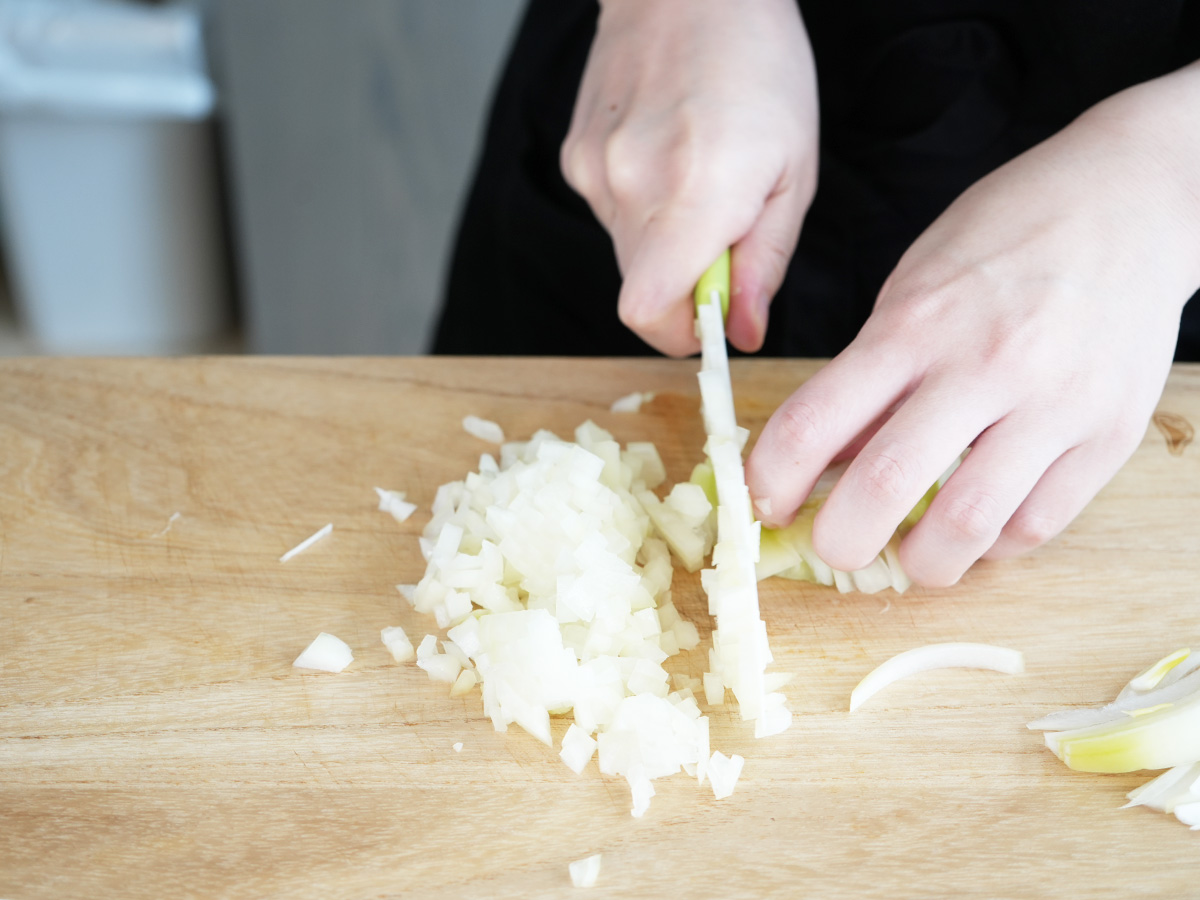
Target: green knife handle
<point>715,278</point>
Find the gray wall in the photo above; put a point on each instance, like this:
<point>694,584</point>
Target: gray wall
<point>351,128</point>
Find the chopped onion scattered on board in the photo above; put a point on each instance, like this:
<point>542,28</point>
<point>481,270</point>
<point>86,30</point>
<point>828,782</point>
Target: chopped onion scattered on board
<point>584,872</point>
<point>937,656</point>
<point>307,542</point>
<point>325,654</point>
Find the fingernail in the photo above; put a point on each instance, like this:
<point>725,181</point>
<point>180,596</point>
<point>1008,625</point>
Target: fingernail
<point>762,507</point>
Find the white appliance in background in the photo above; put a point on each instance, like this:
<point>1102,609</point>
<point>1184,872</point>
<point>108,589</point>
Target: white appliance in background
<point>107,181</point>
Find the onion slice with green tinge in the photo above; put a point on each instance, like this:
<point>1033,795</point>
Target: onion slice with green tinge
<point>1153,724</point>
<point>937,656</point>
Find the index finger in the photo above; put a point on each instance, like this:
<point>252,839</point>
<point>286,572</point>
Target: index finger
<point>816,422</point>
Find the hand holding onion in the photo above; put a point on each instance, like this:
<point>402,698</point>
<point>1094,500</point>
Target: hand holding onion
<point>1035,321</point>
<point>695,130</point>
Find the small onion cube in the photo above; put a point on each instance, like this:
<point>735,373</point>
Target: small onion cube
<point>584,872</point>
<point>631,403</point>
<point>325,654</point>
<point>397,643</point>
<point>723,773</point>
<point>440,667</point>
<point>483,429</point>
<point>466,680</point>
<point>427,649</point>
<point>457,745</point>
<point>578,747</point>
<point>394,502</point>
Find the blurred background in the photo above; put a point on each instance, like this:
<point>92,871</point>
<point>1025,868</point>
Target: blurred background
<point>266,176</point>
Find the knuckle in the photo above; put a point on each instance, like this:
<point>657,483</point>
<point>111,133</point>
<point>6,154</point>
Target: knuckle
<point>886,474</point>
<point>800,424</point>
<point>972,518</point>
<point>1029,528</point>
<point>633,316</point>
<point>625,166</point>
<point>577,166</point>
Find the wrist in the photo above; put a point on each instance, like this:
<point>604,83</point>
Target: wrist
<point>1152,130</point>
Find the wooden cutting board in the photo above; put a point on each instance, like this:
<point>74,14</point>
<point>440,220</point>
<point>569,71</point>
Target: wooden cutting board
<point>156,742</point>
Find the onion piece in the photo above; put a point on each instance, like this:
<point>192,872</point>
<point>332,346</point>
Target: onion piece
<point>584,872</point>
<point>325,654</point>
<point>307,542</point>
<point>723,773</point>
<point>1189,814</point>
<point>175,517</point>
<point>578,747</point>
<point>741,652</point>
<point>457,745</point>
<point>1154,676</point>
<point>1159,739</point>
<point>1168,790</point>
<point>631,403</point>
<point>397,642</point>
<point>484,429</point>
<point>466,680</point>
<point>1073,719</point>
<point>394,502</point>
<point>937,656</point>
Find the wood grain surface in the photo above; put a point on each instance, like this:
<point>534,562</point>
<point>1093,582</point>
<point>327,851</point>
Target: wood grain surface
<point>156,742</point>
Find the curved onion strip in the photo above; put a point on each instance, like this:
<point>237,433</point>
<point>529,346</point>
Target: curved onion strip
<point>937,656</point>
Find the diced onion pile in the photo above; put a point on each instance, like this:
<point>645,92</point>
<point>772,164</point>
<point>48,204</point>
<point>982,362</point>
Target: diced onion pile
<point>1154,723</point>
<point>555,588</point>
